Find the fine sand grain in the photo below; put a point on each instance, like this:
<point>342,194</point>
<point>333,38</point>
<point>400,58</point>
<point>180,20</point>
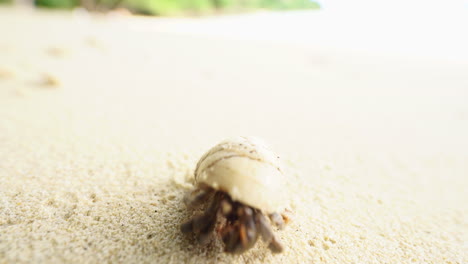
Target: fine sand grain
<point>102,122</point>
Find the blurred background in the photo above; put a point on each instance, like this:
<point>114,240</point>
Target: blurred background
<point>174,7</point>
<point>387,70</point>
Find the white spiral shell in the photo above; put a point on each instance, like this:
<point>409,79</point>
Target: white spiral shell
<point>247,170</point>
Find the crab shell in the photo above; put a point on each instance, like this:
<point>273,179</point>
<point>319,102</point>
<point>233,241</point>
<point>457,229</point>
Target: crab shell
<point>247,170</point>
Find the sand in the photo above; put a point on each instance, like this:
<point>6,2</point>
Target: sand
<point>102,121</point>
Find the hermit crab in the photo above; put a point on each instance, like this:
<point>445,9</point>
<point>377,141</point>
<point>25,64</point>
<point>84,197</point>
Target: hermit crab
<point>239,183</point>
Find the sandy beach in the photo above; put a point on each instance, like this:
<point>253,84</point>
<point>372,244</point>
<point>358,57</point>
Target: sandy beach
<point>103,118</point>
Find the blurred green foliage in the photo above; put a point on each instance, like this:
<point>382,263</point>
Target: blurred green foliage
<point>67,4</point>
<point>179,7</point>
<point>168,7</point>
<point>6,1</point>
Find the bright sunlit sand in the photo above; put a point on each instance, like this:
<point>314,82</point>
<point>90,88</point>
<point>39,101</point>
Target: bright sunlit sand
<point>103,118</point>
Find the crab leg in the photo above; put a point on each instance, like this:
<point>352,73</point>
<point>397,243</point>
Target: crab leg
<point>198,196</point>
<point>203,224</point>
<point>267,234</point>
<point>277,220</point>
<point>248,231</point>
<point>231,239</point>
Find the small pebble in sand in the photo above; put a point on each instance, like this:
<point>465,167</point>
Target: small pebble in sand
<point>48,80</point>
<point>57,52</point>
<point>242,182</point>
<point>95,43</point>
<point>6,73</point>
